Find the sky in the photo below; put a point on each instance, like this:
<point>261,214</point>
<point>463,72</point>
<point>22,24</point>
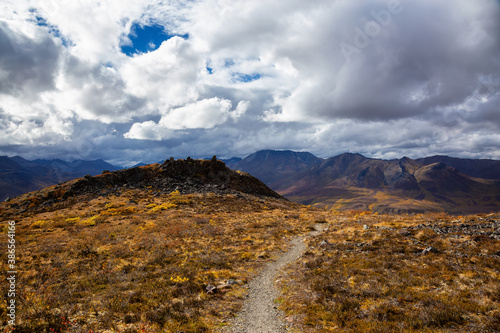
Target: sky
<point>133,81</point>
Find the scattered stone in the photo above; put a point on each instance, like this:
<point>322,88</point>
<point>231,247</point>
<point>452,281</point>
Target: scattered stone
<point>231,282</point>
<point>366,227</point>
<point>325,244</point>
<point>223,287</point>
<point>429,249</point>
<point>384,228</point>
<point>404,232</point>
<point>56,312</point>
<point>186,176</point>
<point>211,289</point>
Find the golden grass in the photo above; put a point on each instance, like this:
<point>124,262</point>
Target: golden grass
<point>371,276</point>
<point>141,262</point>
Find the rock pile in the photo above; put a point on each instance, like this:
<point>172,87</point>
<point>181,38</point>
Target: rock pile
<point>489,228</point>
<point>185,176</point>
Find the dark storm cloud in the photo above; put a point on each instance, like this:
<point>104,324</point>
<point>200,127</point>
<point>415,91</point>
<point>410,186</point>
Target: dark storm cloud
<point>426,58</point>
<point>28,65</point>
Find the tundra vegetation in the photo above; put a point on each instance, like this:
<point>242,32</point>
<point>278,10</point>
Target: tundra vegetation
<point>140,261</point>
<point>125,259</point>
<point>400,273</point>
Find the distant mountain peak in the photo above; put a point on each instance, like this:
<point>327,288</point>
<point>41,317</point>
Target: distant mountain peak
<point>33,175</point>
<point>353,181</point>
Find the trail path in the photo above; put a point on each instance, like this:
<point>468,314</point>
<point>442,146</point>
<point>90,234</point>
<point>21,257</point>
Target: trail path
<point>259,313</point>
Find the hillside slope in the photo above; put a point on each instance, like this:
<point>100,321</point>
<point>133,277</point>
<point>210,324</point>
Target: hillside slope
<point>16,180</point>
<point>480,168</point>
<point>184,176</point>
<point>271,165</point>
<point>161,248</point>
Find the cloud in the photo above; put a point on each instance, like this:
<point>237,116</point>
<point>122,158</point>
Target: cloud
<point>203,114</point>
<point>206,113</point>
<point>384,78</point>
<point>31,132</point>
<point>166,77</point>
<point>27,66</point>
<point>425,59</point>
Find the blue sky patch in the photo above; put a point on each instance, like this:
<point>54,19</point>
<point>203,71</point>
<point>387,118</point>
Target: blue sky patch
<point>54,30</point>
<point>240,77</point>
<point>146,38</point>
<point>40,21</point>
<point>209,67</point>
<point>228,63</point>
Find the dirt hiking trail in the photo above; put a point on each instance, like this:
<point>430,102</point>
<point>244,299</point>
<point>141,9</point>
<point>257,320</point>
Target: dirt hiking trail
<point>259,313</point>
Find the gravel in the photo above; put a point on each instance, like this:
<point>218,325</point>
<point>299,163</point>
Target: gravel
<point>260,313</point>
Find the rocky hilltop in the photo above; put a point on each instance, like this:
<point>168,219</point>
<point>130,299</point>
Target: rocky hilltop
<point>183,175</point>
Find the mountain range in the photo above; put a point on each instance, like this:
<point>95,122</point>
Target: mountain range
<point>352,181</point>
<point>190,245</point>
<point>345,182</point>
<point>19,176</point>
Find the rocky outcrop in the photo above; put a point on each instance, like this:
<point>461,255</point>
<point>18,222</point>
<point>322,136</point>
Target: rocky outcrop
<point>184,175</point>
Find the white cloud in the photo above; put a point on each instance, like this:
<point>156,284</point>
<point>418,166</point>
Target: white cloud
<point>206,113</point>
<point>165,77</point>
<point>148,130</point>
<point>50,131</point>
<point>203,114</point>
<point>252,75</point>
<point>94,27</point>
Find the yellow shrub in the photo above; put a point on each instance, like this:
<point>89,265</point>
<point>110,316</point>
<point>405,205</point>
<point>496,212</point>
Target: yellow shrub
<point>120,211</point>
<point>303,216</point>
<point>148,225</point>
<point>115,204</point>
<point>92,221</point>
<point>175,193</point>
<point>39,224</point>
<point>164,206</point>
<point>177,198</point>
<point>72,220</point>
<point>127,211</point>
<point>179,279</point>
<point>247,256</point>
